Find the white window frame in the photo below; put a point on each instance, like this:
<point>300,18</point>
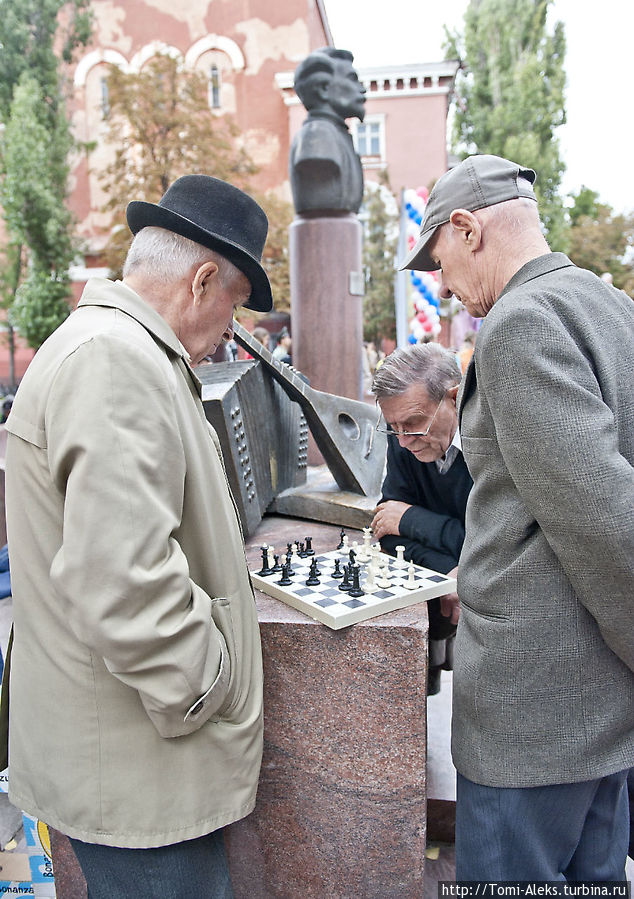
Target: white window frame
<point>375,159</point>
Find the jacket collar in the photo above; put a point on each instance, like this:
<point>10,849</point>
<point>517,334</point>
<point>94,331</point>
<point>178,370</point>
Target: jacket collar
<point>117,295</point>
<point>541,265</point>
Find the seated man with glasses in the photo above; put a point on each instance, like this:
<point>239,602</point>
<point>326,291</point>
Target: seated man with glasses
<point>427,484</point>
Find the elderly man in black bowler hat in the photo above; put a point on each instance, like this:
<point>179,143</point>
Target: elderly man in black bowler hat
<point>135,720</point>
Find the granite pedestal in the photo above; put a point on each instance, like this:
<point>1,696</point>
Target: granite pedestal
<point>326,273</point>
<point>341,802</point>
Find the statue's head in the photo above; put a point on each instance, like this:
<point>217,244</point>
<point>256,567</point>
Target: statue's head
<point>327,81</point>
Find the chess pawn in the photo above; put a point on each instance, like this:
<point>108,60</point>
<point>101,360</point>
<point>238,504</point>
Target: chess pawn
<point>400,557</point>
<point>410,583</point>
<point>337,573</point>
<point>369,585</point>
<point>285,580</point>
<point>383,577</point>
<point>345,549</point>
<point>346,584</point>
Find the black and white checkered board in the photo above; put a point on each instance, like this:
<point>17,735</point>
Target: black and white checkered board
<point>333,607</point>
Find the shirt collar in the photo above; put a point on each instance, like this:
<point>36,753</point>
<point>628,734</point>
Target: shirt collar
<point>445,462</point>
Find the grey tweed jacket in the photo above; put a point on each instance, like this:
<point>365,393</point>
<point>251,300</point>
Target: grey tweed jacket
<point>543,679</point>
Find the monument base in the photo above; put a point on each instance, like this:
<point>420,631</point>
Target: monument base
<point>341,802</point>
<point>320,499</point>
<point>326,273</point>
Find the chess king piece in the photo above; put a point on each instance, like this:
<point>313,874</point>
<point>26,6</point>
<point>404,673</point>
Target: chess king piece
<point>325,169</point>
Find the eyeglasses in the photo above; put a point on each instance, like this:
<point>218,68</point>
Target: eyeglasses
<point>388,429</point>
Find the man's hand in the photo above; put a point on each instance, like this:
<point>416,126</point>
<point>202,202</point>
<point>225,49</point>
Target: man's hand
<point>450,604</point>
<point>387,517</point>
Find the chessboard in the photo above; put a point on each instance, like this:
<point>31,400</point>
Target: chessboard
<point>401,584</point>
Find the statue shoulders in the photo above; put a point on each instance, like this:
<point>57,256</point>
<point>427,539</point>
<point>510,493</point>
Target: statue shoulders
<point>320,139</point>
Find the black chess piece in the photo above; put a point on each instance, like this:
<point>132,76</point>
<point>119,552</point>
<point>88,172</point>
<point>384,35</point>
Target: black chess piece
<point>266,568</point>
<point>285,579</point>
<point>288,562</point>
<point>342,534</point>
<point>277,567</point>
<point>301,552</point>
<point>309,547</point>
<point>313,580</point>
<point>346,583</point>
<point>352,556</point>
<point>355,590</point>
<point>337,572</point>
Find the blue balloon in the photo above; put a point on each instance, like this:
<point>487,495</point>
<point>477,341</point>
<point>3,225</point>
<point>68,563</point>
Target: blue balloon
<point>411,338</point>
<point>418,218</point>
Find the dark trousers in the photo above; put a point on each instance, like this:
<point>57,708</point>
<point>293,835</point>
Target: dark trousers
<point>562,832</point>
<point>181,871</point>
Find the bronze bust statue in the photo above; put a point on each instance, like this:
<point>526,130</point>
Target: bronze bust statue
<point>325,170</point>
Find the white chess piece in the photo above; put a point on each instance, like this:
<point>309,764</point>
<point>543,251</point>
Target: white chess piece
<point>400,560</point>
<point>369,585</point>
<point>345,549</point>
<point>383,577</point>
<point>270,561</point>
<point>410,583</point>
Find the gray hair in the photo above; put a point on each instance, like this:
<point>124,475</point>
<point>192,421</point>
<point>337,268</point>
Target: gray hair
<point>428,365</point>
<point>171,256</point>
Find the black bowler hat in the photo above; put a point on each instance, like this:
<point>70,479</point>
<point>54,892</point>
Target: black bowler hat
<point>216,215</point>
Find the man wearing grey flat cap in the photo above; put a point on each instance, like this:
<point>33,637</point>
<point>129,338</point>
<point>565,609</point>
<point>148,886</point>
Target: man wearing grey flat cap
<point>136,678</point>
<point>543,717</point>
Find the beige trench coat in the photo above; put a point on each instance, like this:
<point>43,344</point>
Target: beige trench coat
<point>136,675</point>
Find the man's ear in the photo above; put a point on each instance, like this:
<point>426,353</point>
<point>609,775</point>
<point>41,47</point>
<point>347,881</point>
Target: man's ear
<point>468,227</point>
<point>203,276</point>
<point>452,393</point>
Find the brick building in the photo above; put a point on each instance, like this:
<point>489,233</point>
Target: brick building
<point>248,51</point>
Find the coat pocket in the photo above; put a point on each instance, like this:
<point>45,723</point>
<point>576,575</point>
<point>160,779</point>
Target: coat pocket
<point>223,619</point>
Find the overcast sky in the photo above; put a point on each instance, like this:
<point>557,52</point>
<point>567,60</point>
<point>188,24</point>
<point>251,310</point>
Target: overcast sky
<point>597,143</point>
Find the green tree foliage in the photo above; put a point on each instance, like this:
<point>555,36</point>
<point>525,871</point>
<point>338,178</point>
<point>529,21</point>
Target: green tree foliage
<point>379,250</point>
<point>161,127</point>
<point>33,163</point>
<point>275,257</point>
<point>510,94</point>
<point>602,241</point>
<point>38,222</point>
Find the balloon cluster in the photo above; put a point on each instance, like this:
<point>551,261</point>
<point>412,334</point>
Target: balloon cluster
<point>426,321</point>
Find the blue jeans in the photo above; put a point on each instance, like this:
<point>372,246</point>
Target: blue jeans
<point>562,832</point>
<point>193,869</point>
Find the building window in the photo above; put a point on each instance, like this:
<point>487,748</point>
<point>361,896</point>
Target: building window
<point>369,139</point>
<point>214,87</point>
<point>105,99</point>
